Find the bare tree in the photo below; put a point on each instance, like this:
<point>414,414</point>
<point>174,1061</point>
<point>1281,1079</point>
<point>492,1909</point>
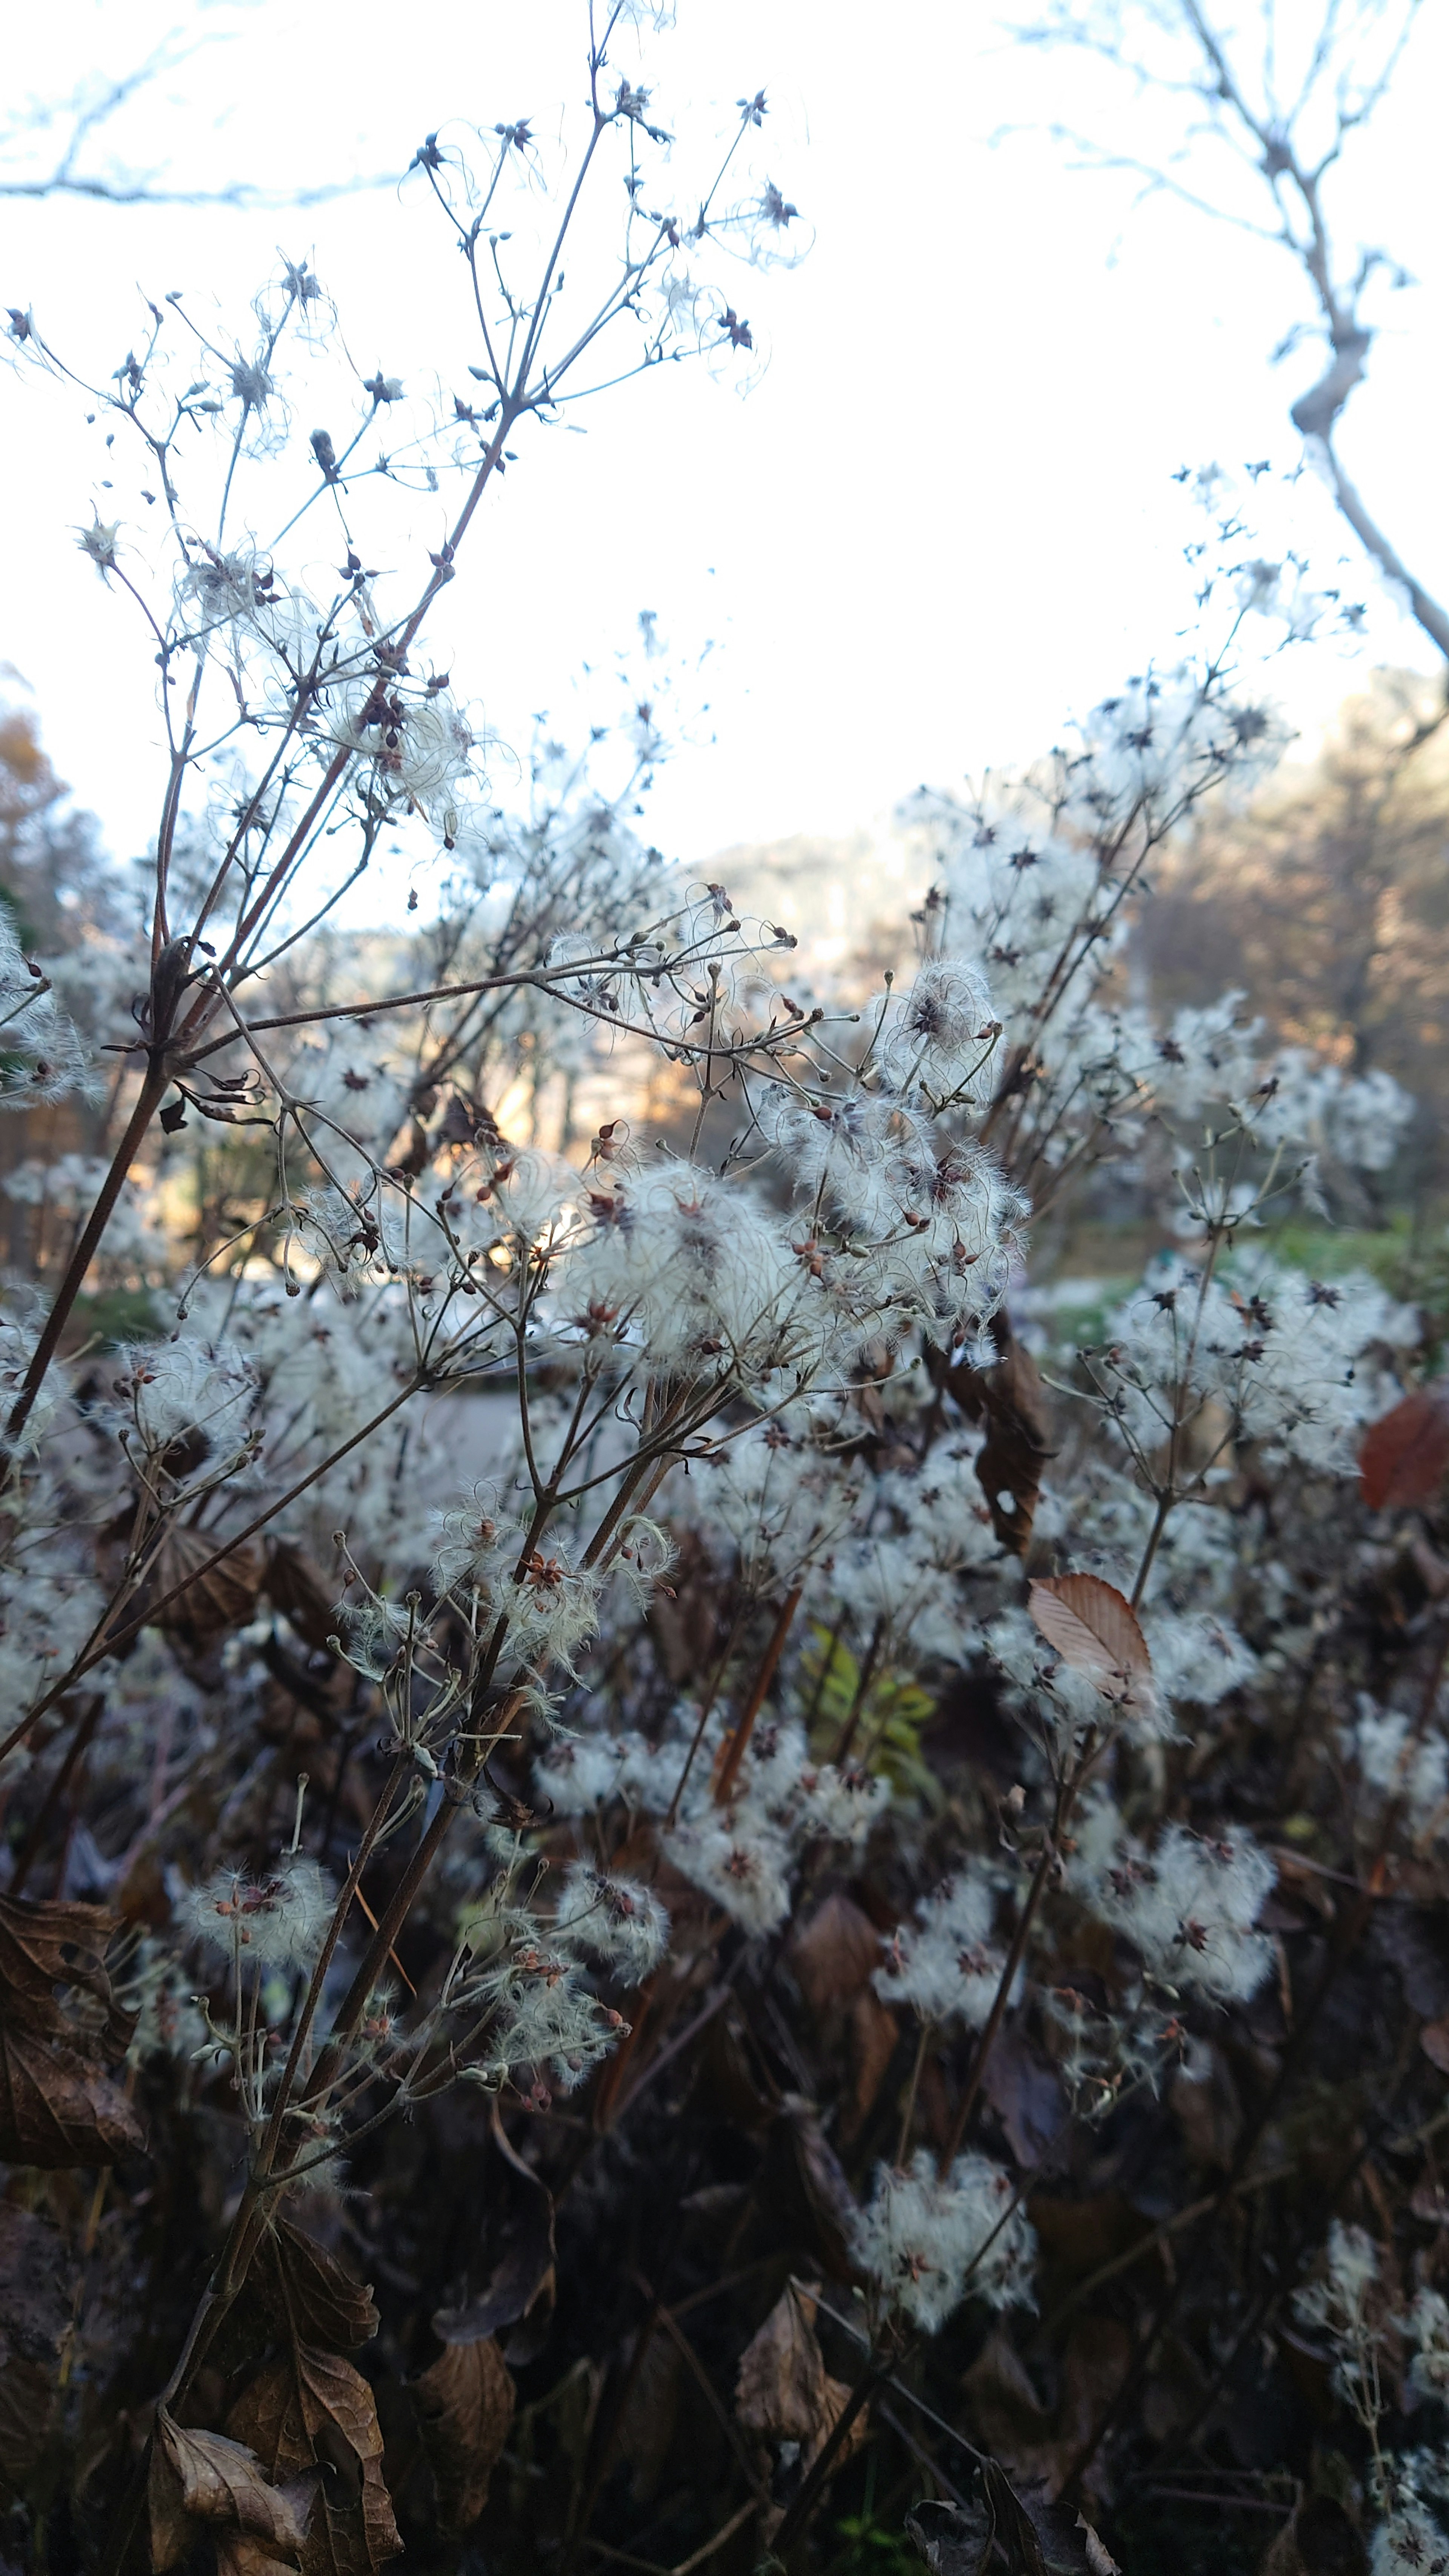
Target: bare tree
<point>1278,108</point>
<point>48,147</point>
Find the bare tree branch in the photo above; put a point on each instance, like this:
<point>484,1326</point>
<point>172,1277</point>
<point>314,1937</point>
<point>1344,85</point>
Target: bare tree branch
<point>1174,48</point>
<point>82,115</point>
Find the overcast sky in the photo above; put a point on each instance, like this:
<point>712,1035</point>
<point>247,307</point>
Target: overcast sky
<point>942,519</point>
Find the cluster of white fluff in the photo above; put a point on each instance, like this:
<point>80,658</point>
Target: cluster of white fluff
<point>41,1054</point>
<point>66,1187</point>
<point>1347,2307</point>
<point>744,1853</point>
<point>929,2240</point>
<point>543,2017</point>
<point>274,1922</point>
<point>1187,1906</point>
<point>1294,1364</point>
<point>189,1387</point>
<point>613,1920</point>
<point>1400,1764</point>
<point>1427,2327</point>
<point>1338,2304</point>
<point>948,1966</point>
<point>549,1604</point>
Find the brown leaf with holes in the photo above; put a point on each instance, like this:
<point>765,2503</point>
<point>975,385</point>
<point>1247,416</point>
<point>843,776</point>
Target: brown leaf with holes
<point>1403,1456</point>
<point>783,2392</point>
<point>1010,1399</point>
<point>834,1953</point>
<point>465,2402</point>
<point>314,2404</point>
<point>199,2478</point>
<point>1094,1629</point>
<point>306,2289</point>
<point>57,2108</point>
<point>45,1945</point>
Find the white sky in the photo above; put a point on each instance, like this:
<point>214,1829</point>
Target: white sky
<point>943,518</point>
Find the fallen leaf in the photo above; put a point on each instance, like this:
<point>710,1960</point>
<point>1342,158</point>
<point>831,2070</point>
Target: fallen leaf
<point>780,2385</point>
<point>953,2539</point>
<point>834,1953</point>
<point>1100,2561</point>
<point>1403,1455</point>
<point>783,2392</point>
<point>45,1945</point>
<point>874,2034</point>
<point>803,2186</point>
<point>57,2107</point>
<point>1094,1629</point>
<point>465,2403</point>
<point>1026,2096</point>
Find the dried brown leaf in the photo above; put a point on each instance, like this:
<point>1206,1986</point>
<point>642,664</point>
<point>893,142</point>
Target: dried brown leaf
<point>311,2293</point>
<point>214,1598</point>
<point>301,1591</point>
<point>1094,1629</point>
<point>783,2391</point>
<point>197,2477</point>
<point>780,2386</point>
<point>45,1945</point>
<point>803,2184</point>
<point>314,2404</point>
<point>58,2108</point>
<point>834,1953</point>
<point>1404,1454</point>
<point>465,2403</point>
<point>1010,1398</point>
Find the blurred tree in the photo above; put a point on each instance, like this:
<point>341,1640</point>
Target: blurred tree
<point>52,873</point>
<point>1328,900</point>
